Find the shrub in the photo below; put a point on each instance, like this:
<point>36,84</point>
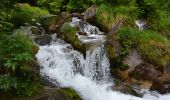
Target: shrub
<point>5,24</point>
<point>54,6</point>
<point>77,5</point>
<point>16,51</point>
<point>16,58</point>
<point>7,82</point>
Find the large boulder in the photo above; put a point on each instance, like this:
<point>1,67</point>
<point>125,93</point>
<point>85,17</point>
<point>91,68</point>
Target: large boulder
<point>43,40</point>
<point>53,23</point>
<point>90,13</point>
<point>36,30</point>
<point>145,71</point>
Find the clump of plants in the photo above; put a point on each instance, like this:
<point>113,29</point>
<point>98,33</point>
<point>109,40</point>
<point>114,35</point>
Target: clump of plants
<point>17,64</point>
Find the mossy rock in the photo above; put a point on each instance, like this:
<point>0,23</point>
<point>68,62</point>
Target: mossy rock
<point>53,23</point>
<point>48,93</point>
<point>126,89</point>
<point>69,35</point>
<point>68,94</point>
<point>153,47</point>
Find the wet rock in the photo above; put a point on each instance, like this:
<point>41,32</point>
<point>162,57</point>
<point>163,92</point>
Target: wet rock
<point>141,24</point>
<point>113,48</point>
<point>115,27</point>
<point>82,33</point>
<point>160,87</point>
<point>123,88</point>
<point>90,13</point>
<point>133,59</point>
<point>35,30</point>
<point>43,40</point>
<point>77,15</point>
<point>145,71</point>
<point>68,49</point>
<point>167,69</point>
<point>53,23</point>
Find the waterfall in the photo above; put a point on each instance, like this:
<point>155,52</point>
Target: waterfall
<point>89,76</point>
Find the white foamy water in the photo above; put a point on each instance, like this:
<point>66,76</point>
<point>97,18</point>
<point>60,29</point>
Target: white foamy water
<point>89,76</point>
<point>62,68</point>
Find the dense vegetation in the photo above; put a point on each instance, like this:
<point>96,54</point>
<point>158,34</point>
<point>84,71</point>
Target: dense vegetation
<point>17,51</point>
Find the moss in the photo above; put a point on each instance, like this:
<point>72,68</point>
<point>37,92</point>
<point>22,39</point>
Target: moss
<point>131,91</point>
<point>24,13</point>
<point>70,36</point>
<point>115,72</point>
<point>135,75</point>
<point>69,94</point>
<point>111,51</point>
<point>117,81</point>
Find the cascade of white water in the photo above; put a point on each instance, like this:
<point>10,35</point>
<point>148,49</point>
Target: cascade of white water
<point>88,76</point>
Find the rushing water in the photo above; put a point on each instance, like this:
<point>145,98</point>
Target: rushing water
<point>89,76</point>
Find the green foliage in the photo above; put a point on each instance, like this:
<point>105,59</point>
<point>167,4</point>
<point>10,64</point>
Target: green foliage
<point>16,58</point>
<point>77,5</point>
<point>147,9</point>
<point>28,87</point>
<point>57,6</point>
<point>5,24</point>
<point>16,52</point>
<point>7,82</point>
<point>24,13</point>
<point>7,3</point>
<point>105,17</point>
<point>54,6</point>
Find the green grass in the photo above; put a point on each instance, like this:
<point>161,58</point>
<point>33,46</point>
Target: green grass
<point>152,46</point>
<point>105,17</point>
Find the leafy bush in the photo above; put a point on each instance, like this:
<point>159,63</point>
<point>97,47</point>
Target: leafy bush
<point>16,58</point>
<point>16,51</point>
<point>28,87</point>
<point>5,24</point>
<point>77,5</point>
<point>7,82</point>
<point>54,6</point>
